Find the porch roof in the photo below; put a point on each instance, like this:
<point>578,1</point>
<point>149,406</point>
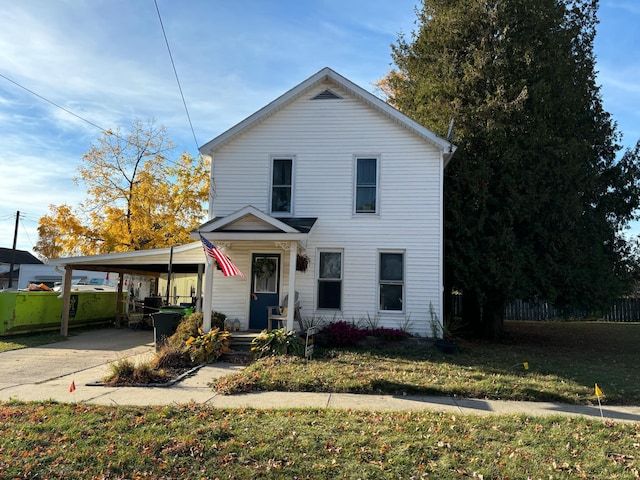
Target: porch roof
<point>250,223</point>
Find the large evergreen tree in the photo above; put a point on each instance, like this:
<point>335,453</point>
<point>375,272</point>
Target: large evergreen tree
<point>536,199</point>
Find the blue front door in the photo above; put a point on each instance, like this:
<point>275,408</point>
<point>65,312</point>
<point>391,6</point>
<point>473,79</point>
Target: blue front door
<point>265,287</point>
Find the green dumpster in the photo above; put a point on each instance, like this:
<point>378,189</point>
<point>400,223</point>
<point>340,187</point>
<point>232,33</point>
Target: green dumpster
<point>184,311</point>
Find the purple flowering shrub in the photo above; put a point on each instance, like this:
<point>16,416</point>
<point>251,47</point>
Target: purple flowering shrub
<point>388,333</point>
<point>344,334</point>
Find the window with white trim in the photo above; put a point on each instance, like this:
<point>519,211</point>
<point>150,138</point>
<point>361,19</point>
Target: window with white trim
<point>366,185</point>
<point>329,279</point>
<point>281,185</point>
<point>391,281</point>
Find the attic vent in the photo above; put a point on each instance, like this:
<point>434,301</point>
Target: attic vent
<point>327,95</point>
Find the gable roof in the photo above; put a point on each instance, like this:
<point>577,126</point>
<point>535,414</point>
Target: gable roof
<point>326,73</point>
<point>251,223</point>
<point>22,257</point>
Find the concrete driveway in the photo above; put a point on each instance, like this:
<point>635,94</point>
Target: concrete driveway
<point>80,352</point>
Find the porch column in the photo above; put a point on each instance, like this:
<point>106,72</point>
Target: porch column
<point>208,294</point>
<point>293,254</point>
<point>66,300</point>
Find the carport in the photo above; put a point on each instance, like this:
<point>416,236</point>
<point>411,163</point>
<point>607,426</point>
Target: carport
<point>187,258</point>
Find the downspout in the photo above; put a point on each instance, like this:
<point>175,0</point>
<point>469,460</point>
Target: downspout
<point>446,158</point>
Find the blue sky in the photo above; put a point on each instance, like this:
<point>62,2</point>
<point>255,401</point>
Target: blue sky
<point>106,61</point>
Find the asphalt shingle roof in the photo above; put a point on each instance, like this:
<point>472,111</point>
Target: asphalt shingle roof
<point>22,257</point>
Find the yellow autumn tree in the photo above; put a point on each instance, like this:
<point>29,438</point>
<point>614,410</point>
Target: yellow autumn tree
<point>137,197</point>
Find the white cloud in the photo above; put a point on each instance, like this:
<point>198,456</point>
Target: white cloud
<point>107,62</point>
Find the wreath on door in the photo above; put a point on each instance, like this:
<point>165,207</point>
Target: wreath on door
<point>264,267</point>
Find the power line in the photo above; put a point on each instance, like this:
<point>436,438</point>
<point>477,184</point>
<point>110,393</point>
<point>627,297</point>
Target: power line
<point>104,130</point>
<point>164,33</point>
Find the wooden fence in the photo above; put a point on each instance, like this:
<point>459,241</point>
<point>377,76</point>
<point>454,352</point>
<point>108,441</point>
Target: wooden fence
<point>623,310</point>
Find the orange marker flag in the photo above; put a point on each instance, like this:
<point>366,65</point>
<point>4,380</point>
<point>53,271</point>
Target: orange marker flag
<point>72,387</point>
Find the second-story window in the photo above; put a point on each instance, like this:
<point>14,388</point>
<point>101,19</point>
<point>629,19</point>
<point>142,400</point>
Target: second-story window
<point>282,185</point>
<point>366,185</point>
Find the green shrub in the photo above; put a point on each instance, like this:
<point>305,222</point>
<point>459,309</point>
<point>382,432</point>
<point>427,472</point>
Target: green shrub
<point>126,372</point>
<point>191,325</point>
<point>277,342</point>
<point>172,357</point>
<point>208,347</point>
<point>217,320</point>
<point>122,368</point>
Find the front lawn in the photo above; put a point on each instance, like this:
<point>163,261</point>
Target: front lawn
<point>564,359</point>
<point>65,441</point>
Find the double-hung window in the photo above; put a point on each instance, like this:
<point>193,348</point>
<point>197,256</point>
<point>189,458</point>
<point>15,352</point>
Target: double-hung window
<point>281,185</point>
<point>391,281</point>
<point>330,279</point>
<point>366,185</point>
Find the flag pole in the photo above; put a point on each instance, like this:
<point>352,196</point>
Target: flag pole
<point>208,293</point>
<point>598,395</point>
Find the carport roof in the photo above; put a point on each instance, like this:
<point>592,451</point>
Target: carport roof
<point>185,259</point>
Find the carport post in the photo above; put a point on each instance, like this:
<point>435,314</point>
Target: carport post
<point>199,288</point>
<point>120,306</point>
<point>66,300</point>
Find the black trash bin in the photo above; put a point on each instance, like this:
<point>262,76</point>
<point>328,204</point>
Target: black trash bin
<point>163,323</point>
<point>151,305</point>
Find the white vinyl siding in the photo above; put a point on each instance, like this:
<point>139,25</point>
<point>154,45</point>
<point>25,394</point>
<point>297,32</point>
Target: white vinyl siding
<point>326,138</point>
<point>366,185</point>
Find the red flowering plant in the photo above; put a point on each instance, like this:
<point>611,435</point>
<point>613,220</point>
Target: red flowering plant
<point>343,334</point>
<point>388,333</point>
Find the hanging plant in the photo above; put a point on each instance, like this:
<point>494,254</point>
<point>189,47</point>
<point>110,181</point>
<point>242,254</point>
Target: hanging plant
<point>302,262</point>
<point>264,267</point>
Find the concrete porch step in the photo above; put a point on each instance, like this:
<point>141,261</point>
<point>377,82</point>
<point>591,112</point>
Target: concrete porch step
<point>242,340</point>
<point>240,347</point>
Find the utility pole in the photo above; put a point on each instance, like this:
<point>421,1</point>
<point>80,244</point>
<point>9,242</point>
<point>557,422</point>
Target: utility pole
<point>13,254</point>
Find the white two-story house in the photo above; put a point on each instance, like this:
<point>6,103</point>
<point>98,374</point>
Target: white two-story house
<point>331,173</point>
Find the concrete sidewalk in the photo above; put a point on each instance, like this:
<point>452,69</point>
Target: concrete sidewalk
<point>46,373</point>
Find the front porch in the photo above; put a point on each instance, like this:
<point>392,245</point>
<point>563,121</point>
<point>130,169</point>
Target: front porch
<point>265,249</point>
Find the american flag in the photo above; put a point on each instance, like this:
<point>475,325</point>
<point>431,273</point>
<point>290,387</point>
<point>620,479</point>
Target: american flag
<point>227,267</point>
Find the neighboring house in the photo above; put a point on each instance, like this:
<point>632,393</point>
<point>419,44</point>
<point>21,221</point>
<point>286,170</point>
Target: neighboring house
<point>50,276</point>
<point>329,171</point>
<point>16,258</point>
